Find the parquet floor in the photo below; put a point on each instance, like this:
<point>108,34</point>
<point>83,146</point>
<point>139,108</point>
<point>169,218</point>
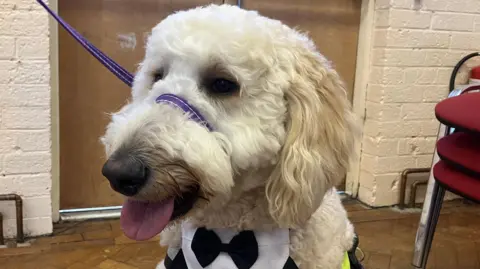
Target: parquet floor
<point>386,238</point>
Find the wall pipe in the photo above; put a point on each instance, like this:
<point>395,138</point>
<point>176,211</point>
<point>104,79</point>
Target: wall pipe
<point>19,210</point>
<point>403,183</point>
<point>2,239</point>
<point>413,191</point>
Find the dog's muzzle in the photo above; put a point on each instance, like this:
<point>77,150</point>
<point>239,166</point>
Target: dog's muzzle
<point>128,175</point>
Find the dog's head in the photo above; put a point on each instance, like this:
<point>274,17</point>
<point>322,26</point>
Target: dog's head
<point>273,103</point>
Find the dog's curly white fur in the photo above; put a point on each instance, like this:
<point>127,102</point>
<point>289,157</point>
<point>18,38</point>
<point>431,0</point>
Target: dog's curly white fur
<point>280,144</point>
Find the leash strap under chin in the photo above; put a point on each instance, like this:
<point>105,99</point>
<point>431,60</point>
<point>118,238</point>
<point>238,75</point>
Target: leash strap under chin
<point>183,104</point>
<point>110,64</point>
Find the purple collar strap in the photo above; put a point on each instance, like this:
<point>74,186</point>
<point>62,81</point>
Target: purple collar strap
<point>123,74</point>
<point>181,103</point>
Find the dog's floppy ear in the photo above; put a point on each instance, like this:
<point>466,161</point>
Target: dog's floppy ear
<point>319,142</point>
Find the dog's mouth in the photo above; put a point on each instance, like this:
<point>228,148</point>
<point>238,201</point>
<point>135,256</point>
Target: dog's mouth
<point>142,220</point>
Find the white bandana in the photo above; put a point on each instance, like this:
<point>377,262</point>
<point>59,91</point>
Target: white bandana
<point>273,248</point>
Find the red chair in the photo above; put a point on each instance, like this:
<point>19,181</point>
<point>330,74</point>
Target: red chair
<point>456,164</point>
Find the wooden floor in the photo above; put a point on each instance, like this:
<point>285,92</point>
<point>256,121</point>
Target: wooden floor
<point>386,238</point>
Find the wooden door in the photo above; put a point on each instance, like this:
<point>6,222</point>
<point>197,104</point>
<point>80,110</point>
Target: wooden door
<point>88,91</point>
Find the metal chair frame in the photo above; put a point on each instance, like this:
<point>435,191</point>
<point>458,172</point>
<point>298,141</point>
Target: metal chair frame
<point>433,200</point>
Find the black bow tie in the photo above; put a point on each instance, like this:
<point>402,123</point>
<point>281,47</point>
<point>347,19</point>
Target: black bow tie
<point>243,248</point>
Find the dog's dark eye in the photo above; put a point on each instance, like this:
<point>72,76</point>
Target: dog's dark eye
<point>158,76</point>
<point>223,86</point>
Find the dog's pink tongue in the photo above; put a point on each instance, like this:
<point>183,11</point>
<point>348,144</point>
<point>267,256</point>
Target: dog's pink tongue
<point>144,220</point>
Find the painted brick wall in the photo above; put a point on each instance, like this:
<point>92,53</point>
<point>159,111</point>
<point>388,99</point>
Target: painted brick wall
<point>25,143</point>
<point>415,45</point>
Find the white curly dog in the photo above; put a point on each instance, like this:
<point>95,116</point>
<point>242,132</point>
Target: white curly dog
<point>235,123</point>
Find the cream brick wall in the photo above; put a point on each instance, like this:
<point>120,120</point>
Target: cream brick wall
<point>415,45</point>
<point>25,136</point>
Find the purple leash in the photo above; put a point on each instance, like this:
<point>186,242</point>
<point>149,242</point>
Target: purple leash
<point>181,103</point>
<point>110,64</point>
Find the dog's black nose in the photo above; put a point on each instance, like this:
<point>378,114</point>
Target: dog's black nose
<point>126,175</point>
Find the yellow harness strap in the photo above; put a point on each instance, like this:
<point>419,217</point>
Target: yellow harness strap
<point>346,262</point>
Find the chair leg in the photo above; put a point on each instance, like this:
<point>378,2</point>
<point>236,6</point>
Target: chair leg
<point>428,223</point>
